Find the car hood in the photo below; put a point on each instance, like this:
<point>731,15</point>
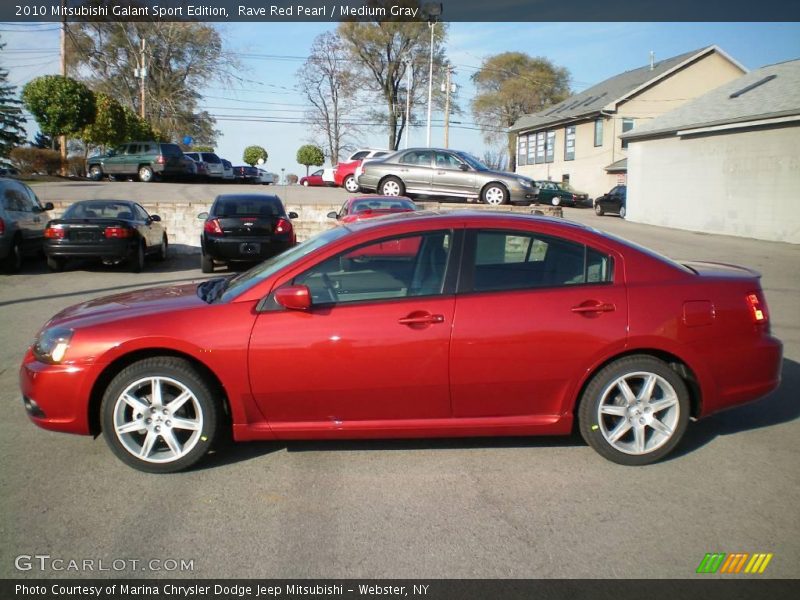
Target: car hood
<point>128,305</point>
<point>506,175</point>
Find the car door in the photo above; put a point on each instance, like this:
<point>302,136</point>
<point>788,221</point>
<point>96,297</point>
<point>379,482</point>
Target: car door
<point>373,348</point>
<point>26,213</point>
<point>452,176</point>
<point>114,164</point>
<point>414,168</point>
<point>534,311</point>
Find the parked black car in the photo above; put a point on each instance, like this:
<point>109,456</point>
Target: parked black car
<point>245,174</point>
<point>613,201</point>
<point>146,160</point>
<point>245,228</point>
<point>22,223</point>
<point>110,230</point>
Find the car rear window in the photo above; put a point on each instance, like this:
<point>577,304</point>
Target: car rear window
<point>171,150</point>
<point>212,158</point>
<point>244,206</point>
<point>95,210</point>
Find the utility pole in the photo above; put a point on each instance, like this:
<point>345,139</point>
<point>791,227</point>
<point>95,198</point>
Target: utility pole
<point>448,88</point>
<point>63,139</point>
<point>410,79</point>
<point>141,73</point>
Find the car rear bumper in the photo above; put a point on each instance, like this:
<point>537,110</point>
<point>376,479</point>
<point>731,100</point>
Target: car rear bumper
<point>245,248</point>
<point>100,249</point>
<point>56,397</point>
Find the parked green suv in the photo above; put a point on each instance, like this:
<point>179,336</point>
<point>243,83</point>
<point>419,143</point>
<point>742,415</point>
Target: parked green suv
<point>145,160</point>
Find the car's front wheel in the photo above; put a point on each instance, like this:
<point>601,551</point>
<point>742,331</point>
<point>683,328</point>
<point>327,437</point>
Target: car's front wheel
<point>163,250</point>
<point>495,194</point>
<point>136,260</point>
<point>392,186</point>
<point>350,184</point>
<point>159,415</point>
<point>622,212</point>
<point>95,173</point>
<point>634,411</point>
<point>556,200</point>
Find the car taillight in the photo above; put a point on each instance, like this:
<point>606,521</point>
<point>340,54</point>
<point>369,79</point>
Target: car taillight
<point>757,308</point>
<point>161,160</point>
<point>117,232</point>
<point>54,233</point>
<point>283,226</point>
<point>2,226</point>
<point>212,227</point>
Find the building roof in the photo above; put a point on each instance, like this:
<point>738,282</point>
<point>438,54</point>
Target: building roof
<point>619,166</point>
<point>767,93</point>
<point>607,94</point>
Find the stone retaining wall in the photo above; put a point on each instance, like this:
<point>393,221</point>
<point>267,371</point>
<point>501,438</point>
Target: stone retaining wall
<point>184,228</point>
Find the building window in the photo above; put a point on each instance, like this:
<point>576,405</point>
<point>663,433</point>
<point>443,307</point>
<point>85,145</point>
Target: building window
<point>522,150</point>
<point>550,147</point>
<point>541,141</point>
<point>627,125</point>
<point>598,132</point>
<point>569,143</point>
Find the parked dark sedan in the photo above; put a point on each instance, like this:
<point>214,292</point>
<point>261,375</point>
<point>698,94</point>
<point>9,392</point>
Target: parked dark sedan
<point>22,221</point>
<point>552,192</point>
<point>245,228</point>
<point>245,174</point>
<point>613,201</point>
<point>110,230</point>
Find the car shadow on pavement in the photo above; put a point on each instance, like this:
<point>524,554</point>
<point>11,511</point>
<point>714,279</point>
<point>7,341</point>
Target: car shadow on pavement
<point>781,406</point>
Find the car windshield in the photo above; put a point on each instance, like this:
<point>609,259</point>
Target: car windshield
<point>98,209</point>
<point>245,281</point>
<point>473,162</point>
<point>382,204</point>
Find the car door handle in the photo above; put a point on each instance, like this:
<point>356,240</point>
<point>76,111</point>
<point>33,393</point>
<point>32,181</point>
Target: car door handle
<point>592,306</point>
<point>421,318</point>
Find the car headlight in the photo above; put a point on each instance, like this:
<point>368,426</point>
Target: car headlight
<point>51,344</point>
<point>525,183</point>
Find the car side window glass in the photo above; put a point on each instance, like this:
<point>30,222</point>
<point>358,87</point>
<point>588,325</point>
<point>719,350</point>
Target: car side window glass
<point>140,213</point>
<point>14,200</point>
<point>398,267</point>
<point>421,158</point>
<point>133,149</point>
<point>445,160</point>
<point>359,155</point>
<point>520,260</point>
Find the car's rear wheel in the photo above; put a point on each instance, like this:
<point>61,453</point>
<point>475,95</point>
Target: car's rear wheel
<point>95,173</point>
<point>55,263</point>
<point>494,194</point>
<point>146,174</point>
<point>392,186</point>
<point>13,262</point>
<point>622,212</point>
<point>137,258</point>
<point>350,184</point>
<point>159,415</point>
<point>598,209</point>
<point>206,263</point>
<point>634,411</point>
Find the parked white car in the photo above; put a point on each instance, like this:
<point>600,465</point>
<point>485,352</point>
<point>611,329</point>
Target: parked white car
<point>227,170</point>
<point>264,177</point>
<point>213,163</point>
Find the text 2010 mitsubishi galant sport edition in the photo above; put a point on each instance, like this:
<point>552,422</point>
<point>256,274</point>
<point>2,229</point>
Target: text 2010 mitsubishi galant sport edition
<point>415,325</point>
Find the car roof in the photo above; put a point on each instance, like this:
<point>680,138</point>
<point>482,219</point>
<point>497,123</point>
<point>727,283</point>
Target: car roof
<point>248,197</point>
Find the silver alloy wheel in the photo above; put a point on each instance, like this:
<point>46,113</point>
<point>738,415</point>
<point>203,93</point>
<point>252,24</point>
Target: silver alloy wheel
<point>638,413</point>
<point>390,188</point>
<point>350,184</point>
<point>145,174</point>
<point>494,195</point>
<point>556,200</point>
<point>622,212</point>
<point>305,182</point>
<point>158,419</point>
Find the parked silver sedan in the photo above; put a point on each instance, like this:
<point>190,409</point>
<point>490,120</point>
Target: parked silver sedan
<point>441,172</point>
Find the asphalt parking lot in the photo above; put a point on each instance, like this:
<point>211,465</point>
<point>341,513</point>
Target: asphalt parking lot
<point>488,508</point>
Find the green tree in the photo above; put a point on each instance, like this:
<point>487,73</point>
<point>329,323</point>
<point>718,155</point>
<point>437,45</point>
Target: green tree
<point>202,148</point>
<point>382,51</point>
<point>60,105</point>
<point>181,58</point>
<point>310,154</point>
<point>109,126</point>
<point>137,128</point>
<point>252,154</point>
<point>12,130</point>
<point>513,84</point>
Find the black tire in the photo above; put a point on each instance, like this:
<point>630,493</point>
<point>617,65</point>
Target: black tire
<point>635,412</point>
<point>392,186</point>
<point>622,211</point>
<point>494,194</point>
<point>95,172</point>
<point>201,409</point>
<point>206,263</point>
<point>56,263</point>
<point>163,249</point>
<point>13,262</point>
<point>136,259</point>
<point>146,174</point>
<point>598,209</point>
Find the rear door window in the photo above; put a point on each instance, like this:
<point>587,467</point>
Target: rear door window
<point>210,157</point>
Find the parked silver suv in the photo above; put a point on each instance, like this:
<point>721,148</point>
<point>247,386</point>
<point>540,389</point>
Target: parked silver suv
<point>442,172</point>
<point>22,223</point>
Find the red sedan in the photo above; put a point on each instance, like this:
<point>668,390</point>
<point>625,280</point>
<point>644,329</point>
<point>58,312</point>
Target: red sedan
<point>369,206</point>
<point>499,324</point>
<point>315,179</point>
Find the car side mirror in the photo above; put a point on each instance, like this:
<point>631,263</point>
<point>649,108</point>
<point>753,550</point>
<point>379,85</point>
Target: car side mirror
<point>333,215</point>
<point>203,216</point>
<point>463,167</point>
<point>49,206</point>
<point>155,218</point>
<point>293,215</point>
<point>294,297</point>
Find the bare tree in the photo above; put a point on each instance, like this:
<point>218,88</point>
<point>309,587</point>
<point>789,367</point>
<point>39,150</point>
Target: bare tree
<point>328,83</point>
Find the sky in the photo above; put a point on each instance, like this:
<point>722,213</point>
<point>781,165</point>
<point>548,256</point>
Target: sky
<point>591,52</point>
